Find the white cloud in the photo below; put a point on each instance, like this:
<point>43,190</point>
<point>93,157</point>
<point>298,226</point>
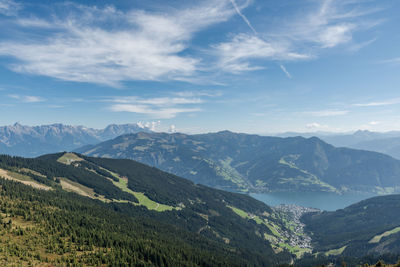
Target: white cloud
<point>109,46</point>
<point>374,122</point>
<point>160,108</point>
<point>9,7</point>
<point>377,104</point>
<point>392,61</point>
<point>27,98</point>
<point>151,125</point>
<point>148,47</point>
<point>192,94</point>
<point>172,129</point>
<point>159,113</point>
<point>329,25</point>
<point>234,56</point>
<point>285,71</point>
<point>158,101</point>
<point>315,125</point>
<point>327,113</point>
<point>239,12</point>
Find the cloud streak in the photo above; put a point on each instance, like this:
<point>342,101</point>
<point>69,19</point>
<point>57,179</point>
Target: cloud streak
<point>157,108</point>
<point>329,25</point>
<point>239,12</point>
<point>326,113</point>
<point>285,71</point>
<point>148,47</point>
<point>9,7</point>
<point>377,104</point>
<point>234,56</point>
<point>27,98</point>
<point>109,47</point>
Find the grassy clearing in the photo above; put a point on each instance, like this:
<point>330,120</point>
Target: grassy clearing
<point>308,179</point>
<point>33,172</point>
<point>271,226</point>
<point>24,179</point>
<point>141,197</point>
<point>68,158</point>
<point>377,238</point>
<point>335,252</point>
<point>298,251</point>
<point>80,189</point>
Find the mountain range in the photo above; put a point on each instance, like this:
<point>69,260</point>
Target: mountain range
<point>383,142</point>
<point>33,141</point>
<point>252,163</point>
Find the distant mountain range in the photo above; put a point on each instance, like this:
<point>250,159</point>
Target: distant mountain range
<point>387,142</point>
<point>252,163</point>
<point>30,141</point>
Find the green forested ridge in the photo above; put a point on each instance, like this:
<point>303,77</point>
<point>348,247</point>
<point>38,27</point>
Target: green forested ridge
<point>243,162</point>
<point>367,227</point>
<point>136,214</point>
<point>109,229</point>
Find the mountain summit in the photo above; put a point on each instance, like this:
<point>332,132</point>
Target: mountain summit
<point>33,141</point>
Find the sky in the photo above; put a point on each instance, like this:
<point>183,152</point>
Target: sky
<point>252,66</point>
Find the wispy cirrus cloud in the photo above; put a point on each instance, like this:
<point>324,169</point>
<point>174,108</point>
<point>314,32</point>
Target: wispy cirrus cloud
<point>158,113</point>
<point>148,46</point>
<point>394,61</point>
<point>27,98</point>
<point>315,125</point>
<point>326,113</point>
<point>283,68</point>
<point>328,25</point>
<point>245,19</point>
<point>234,56</point>
<point>9,7</point>
<point>109,46</point>
<point>331,24</point>
<point>378,103</point>
<point>157,108</point>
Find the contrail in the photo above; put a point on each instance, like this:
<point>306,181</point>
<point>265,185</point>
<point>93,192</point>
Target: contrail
<point>243,16</point>
<point>285,71</point>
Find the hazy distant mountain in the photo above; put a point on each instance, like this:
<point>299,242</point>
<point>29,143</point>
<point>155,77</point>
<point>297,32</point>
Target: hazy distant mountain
<point>257,163</point>
<point>30,141</point>
<point>387,142</point>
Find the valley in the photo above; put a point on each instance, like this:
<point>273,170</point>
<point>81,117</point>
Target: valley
<point>258,164</point>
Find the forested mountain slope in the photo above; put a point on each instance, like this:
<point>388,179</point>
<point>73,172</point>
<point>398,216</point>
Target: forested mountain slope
<point>370,227</point>
<point>253,163</point>
<point>85,210</point>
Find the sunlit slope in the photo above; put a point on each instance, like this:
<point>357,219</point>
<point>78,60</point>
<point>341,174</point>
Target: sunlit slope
<point>243,162</point>
<point>144,193</point>
<point>369,227</point>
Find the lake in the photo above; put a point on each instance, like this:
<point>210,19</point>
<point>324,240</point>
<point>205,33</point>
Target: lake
<point>320,200</point>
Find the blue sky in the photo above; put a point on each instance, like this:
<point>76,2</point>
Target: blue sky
<point>199,66</point>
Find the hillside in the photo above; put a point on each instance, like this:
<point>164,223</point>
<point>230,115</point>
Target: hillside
<point>70,208</point>
<point>27,141</point>
<point>252,163</point>
<point>369,227</point>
